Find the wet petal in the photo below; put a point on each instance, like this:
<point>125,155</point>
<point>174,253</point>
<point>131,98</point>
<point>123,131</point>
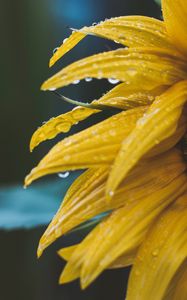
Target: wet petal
<point>150,67</point>
<point>162,253</point>
<point>93,147</point>
<point>175,20</point>
<point>70,43</point>
<point>122,96</point>
<point>62,123</point>
<point>157,124</point>
<point>82,187</point>
<point>130,31</point>
<point>86,197</point>
<point>125,229</point>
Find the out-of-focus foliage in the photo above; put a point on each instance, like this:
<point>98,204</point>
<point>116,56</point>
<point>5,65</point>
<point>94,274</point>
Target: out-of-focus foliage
<point>35,206</point>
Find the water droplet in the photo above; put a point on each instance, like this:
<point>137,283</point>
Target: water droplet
<point>65,40</point>
<point>67,157</point>
<point>112,132</point>
<point>55,50</point>
<point>76,81</point>
<point>155,252</point>
<point>111,193</point>
<point>94,23</point>
<point>116,42</point>
<point>100,74</point>
<point>131,71</point>
<point>52,89</point>
<point>88,79</point>
<point>113,80</point>
<point>63,175</point>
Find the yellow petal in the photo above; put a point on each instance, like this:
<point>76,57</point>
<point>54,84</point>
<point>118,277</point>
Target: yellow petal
<point>162,253</point>
<point>175,20</point>
<point>181,287</point>
<point>121,262</point>
<point>125,96</point>
<point>122,96</point>
<point>62,123</point>
<point>130,31</point>
<point>157,124</point>
<point>70,43</point>
<point>93,147</point>
<point>150,67</point>
<point>86,197</point>
<point>125,229</point>
<point>82,188</point>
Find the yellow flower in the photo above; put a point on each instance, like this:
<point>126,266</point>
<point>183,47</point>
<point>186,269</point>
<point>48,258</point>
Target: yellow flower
<point>136,167</point>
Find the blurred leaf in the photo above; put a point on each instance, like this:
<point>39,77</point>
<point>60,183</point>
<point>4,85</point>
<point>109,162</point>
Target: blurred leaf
<point>34,206</point>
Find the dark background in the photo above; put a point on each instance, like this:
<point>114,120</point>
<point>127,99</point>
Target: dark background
<point>30,32</point>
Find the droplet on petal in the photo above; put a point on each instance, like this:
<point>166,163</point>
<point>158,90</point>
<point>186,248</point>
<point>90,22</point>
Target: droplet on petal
<point>113,80</point>
<point>55,50</point>
<point>63,175</point>
<point>65,40</point>
<point>88,79</point>
<point>76,81</point>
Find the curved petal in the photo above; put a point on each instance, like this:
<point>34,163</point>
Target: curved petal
<point>122,96</point>
<point>125,229</point>
<point>85,185</point>
<point>62,123</point>
<point>86,197</point>
<point>93,147</point>
<point>175,20</point>
<point>157,124</point>
<point>121,262</point>
<point>150,67</point>
<point>181,287</point>
<point>160,256</point>
<point>132,31</point>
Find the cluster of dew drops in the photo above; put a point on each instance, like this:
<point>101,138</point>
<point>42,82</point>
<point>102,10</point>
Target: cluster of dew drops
<point>88,79</point>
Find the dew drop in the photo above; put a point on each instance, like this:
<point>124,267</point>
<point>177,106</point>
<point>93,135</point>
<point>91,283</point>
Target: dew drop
<point>55,50</point>
<point>111,193</point>
<point>131,71</point>
<point>113,80</point>
<point>65,40</point>
<point>155,252</point>
<point>88,79</point>
<point>63,175</point>
<point>52,89</point>
<point>116,42</point>
<point>94,23</point>
<point>76,81</point>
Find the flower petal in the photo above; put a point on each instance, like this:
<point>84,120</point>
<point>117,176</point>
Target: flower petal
<point>132,31</point>
<point>160,256</point>
<point>122,96</point>
<point>93,147</point>
<point>175,19</point>
<point>86,197</point>
<point>62,123</point>
<point>81,188</point>
<point>125,229</point>
<point>70,43</point>
<point>149,67</point>
<point>157,124</point>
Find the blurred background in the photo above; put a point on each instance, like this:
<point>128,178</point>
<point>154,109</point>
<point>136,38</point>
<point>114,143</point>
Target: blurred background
<point>30,32</point>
